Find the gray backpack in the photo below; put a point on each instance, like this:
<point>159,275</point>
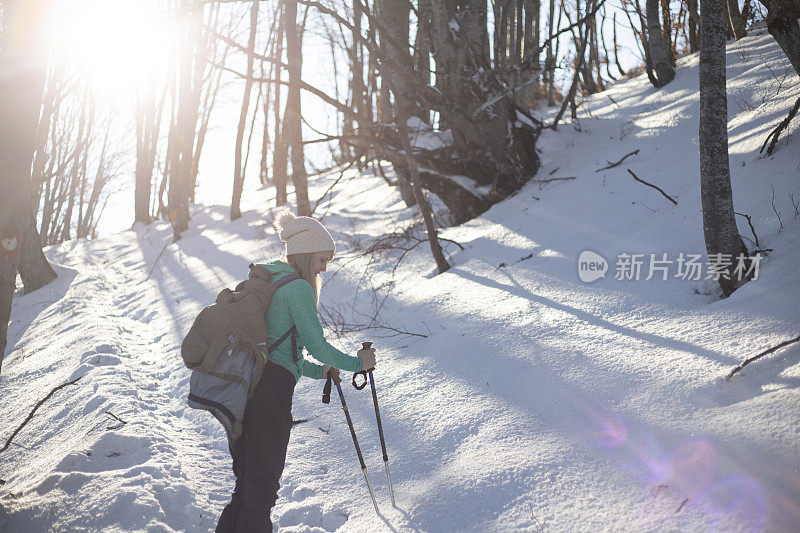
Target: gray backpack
<point>226,349</point>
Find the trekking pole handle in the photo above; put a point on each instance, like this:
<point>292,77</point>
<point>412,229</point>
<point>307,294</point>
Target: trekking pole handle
<point>326,391</point>
<point>360,386</point>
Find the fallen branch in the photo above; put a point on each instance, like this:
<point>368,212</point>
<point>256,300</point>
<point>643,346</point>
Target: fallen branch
<point>118,419</point>
<point>752,229</point>
<point>39,404</point>
<point>612,165</point>
<point>667,196</point>
<point>501,265</point>
<point>772,138</point>
<point>156,261</point>
<point>759,356</point>
<point>545,182</point>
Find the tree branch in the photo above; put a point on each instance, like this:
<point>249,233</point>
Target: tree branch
<point>750,223</point>
<point>612,165</point>
<point>39,404</point>
<point>759,356</point>
<point>667,196</point>
<point>774,134</point>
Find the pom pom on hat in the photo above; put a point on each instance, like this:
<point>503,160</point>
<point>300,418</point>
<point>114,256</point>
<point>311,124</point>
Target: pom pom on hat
<point>302,235</point>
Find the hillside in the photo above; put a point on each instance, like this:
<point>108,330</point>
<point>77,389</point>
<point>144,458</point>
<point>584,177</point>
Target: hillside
<point>520,397</point>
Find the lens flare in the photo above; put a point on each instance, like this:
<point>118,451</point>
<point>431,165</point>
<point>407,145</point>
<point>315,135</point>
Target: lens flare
<point>737,501</point>
<point>610,432</point>
<point>692,467</point>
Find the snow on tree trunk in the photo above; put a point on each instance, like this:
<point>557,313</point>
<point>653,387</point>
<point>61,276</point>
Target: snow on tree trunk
<point>492,146</point>
<point>719,222</point>
<point>659,55</point>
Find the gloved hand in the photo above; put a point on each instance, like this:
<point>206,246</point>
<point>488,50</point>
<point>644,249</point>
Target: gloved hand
<point>367,357</point>
<point>333,372</point>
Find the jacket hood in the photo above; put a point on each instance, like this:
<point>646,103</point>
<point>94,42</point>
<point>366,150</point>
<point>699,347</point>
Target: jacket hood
<point>278,269</point>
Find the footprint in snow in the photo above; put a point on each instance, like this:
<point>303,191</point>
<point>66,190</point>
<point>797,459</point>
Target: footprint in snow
<point>105,348</point>
<point>304,513</point>
<point>111,452</point>
<point>69,483</point>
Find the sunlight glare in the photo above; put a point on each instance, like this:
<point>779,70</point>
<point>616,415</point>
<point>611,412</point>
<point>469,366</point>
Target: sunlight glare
<point>119,43</point>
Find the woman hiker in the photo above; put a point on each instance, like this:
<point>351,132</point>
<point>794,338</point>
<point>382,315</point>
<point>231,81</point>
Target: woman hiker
<point>259,454</point>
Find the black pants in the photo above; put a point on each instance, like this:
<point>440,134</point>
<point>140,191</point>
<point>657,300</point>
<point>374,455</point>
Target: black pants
<point>259,454</point>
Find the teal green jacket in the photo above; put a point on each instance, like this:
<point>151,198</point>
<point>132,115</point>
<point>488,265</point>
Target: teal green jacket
<point>294,304</point>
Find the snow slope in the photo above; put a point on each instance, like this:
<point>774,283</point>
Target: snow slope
<point>534,401</point>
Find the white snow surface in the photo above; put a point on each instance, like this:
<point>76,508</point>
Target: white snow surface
<point>536,402</point>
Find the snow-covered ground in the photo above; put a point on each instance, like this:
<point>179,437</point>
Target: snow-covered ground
<point>534,402</point>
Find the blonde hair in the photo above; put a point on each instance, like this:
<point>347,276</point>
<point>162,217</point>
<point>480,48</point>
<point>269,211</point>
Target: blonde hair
<point>304,265</point>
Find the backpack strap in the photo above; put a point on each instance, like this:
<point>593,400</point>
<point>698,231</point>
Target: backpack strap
<point>293,330</point>
<point>282,338</point>
<point>286,279</point>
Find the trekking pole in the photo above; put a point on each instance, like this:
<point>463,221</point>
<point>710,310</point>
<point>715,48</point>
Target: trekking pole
<point>367,346</point>
<point>326,396</point>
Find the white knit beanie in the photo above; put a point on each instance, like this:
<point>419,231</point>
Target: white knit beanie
<point>302,235</point>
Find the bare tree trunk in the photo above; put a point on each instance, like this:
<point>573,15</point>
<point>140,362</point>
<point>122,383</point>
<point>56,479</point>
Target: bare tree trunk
<point>603,44</point>
<point>34,268</point>
<point>550,60</point>
<point>394,19</point>
<point>280,152</point>
<point>422,49</point>
<point>183,130</point>
<point>355,87</point>
<point>384,94</point>
<point>145,157</point>
<point>272,47</point>
<point>517,29</point>
<point>737,23</point>
<point>238,174</point>
<point>293,113</point>
<point>659,55</point>
<point>280,162</point>
<point>580,58</point>
<point>360,102</point>
<point>666,25</point>
<point>531,54</point>
<point>22,77</point>
<point>694,24</point>
<point>206,85</point>
<point>594,52</point>
<point>402,129</point>
<point>148,127</point>
<point>783,26</point>
<point>719,221</point>
<point>263,174</point>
